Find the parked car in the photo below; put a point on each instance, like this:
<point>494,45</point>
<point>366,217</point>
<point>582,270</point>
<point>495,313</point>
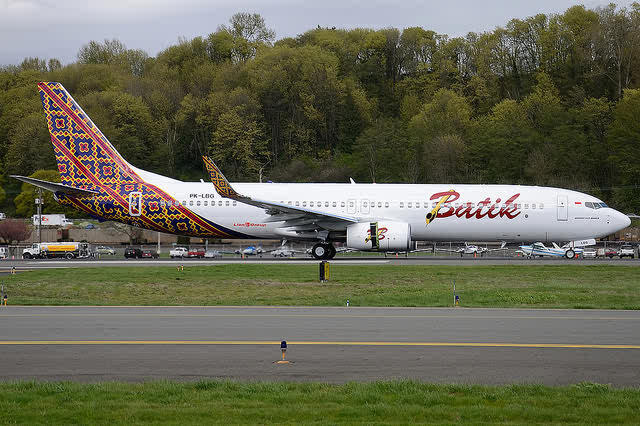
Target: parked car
<point>627,250</point>
<point>212,254</point>
<point>589,253</point>
<point>150,254</point>
<point>610,253</point>
<point>2,216</point>
<point>178,252</point>
<point>196,252</point>
<point>132,253</point>
<point>105,250</point>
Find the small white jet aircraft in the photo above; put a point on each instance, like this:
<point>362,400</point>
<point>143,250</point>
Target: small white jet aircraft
<point>96,179</point>
<point>474,249</point>
<point>569,250</point>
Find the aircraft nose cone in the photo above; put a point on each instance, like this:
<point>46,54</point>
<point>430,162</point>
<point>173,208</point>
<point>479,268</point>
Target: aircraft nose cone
<point>620,220</point>
<point>626,221</point>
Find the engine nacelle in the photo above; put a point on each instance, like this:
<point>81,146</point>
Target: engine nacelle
<point>388,236</point>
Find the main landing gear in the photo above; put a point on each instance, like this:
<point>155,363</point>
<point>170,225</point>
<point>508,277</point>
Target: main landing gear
<point>323,251</point>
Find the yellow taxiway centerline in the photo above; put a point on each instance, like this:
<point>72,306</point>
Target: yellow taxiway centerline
<point>335,343</point>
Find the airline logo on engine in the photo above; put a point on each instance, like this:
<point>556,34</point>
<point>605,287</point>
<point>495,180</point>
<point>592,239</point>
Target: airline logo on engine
<point>485,208</point>
<point>381,232</point>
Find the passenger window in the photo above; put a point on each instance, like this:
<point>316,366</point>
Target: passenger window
<point>220,203</point>
<point>417,204</point>
<point>342,204</point>
<point>197,203</point>
<point>526,206</point>
<point>386,204</point>
<point>184,203</point>
<point>289,202</point>
<point>206,203</point>
<point>364,204</point>
<point>326,204</point>
<point>304,204</point>
<point>226,203</point>
<point>334,204</point>
<point>533,206</point>
<point>541,206</point>
<point>234,203</point>
<point>191,203</point>
<point>379,204</point>
<point>401,204</point>
<point>297,203</point>
<point>310,204</point>
<point>409,205</point>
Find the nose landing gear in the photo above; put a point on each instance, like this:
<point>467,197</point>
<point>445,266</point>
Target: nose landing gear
<point>323,251</point>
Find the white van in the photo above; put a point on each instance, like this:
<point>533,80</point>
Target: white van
<point>4,252</point>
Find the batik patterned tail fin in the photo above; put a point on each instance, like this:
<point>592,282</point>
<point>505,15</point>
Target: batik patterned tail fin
<point>86,159</point>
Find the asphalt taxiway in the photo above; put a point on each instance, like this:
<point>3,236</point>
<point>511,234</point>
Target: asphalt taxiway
<point>20,264</point>
<point>492,346</point>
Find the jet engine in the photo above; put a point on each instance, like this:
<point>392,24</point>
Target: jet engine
<point>380,236</point>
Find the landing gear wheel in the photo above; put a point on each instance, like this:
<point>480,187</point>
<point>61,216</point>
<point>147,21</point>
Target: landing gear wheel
<point>570,254</point>
<point>320,251</point>
<point>323,251</point>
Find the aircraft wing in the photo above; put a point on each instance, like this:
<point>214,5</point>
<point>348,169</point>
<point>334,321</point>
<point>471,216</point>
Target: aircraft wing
<point>458,250</point>
<point>293,217</point>
<point>56,187</point>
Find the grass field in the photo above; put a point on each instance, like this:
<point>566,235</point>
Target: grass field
<point>267,403</point>
<point>570,286</point>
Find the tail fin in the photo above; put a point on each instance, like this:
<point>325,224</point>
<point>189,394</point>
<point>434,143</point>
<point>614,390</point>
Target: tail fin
<point>86,159</point>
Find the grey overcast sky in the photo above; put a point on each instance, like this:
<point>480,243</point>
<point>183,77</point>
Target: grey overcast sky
<point>59,28</point>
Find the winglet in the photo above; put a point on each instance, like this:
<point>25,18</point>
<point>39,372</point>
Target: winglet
<point>222,185</point>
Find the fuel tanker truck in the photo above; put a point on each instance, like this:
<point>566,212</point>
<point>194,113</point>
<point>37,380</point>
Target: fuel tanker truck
<point>67,250</point>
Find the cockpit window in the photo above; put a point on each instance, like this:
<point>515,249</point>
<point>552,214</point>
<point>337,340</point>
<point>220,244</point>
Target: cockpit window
<point>596,206</point>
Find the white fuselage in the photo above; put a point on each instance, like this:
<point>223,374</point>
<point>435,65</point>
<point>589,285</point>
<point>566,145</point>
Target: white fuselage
<point>479,213</point>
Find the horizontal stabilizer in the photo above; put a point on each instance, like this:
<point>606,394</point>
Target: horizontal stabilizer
<point>56,187</point>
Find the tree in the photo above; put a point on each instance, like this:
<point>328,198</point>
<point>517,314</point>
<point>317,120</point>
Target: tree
<point>14,230</point>
<point>249,33</point>
<point>618,43</point>
<point>240,143</point>
<point>382,154</point>
<point>624,143</point>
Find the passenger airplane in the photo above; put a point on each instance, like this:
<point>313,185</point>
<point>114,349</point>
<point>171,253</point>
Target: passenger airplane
<point>380,217</point>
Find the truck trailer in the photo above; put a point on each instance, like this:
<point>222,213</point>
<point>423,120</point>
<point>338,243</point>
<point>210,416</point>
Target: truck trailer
<point>67,250</point>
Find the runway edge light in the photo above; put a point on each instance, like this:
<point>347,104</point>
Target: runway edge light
<point>283,348</point>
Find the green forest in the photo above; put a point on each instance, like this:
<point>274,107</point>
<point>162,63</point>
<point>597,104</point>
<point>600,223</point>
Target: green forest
<point>548,100</point>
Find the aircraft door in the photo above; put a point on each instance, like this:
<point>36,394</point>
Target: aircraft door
<point>135,203</point>
<point>351,206</point>
<point>563,214</point>
<point>364,206</point>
